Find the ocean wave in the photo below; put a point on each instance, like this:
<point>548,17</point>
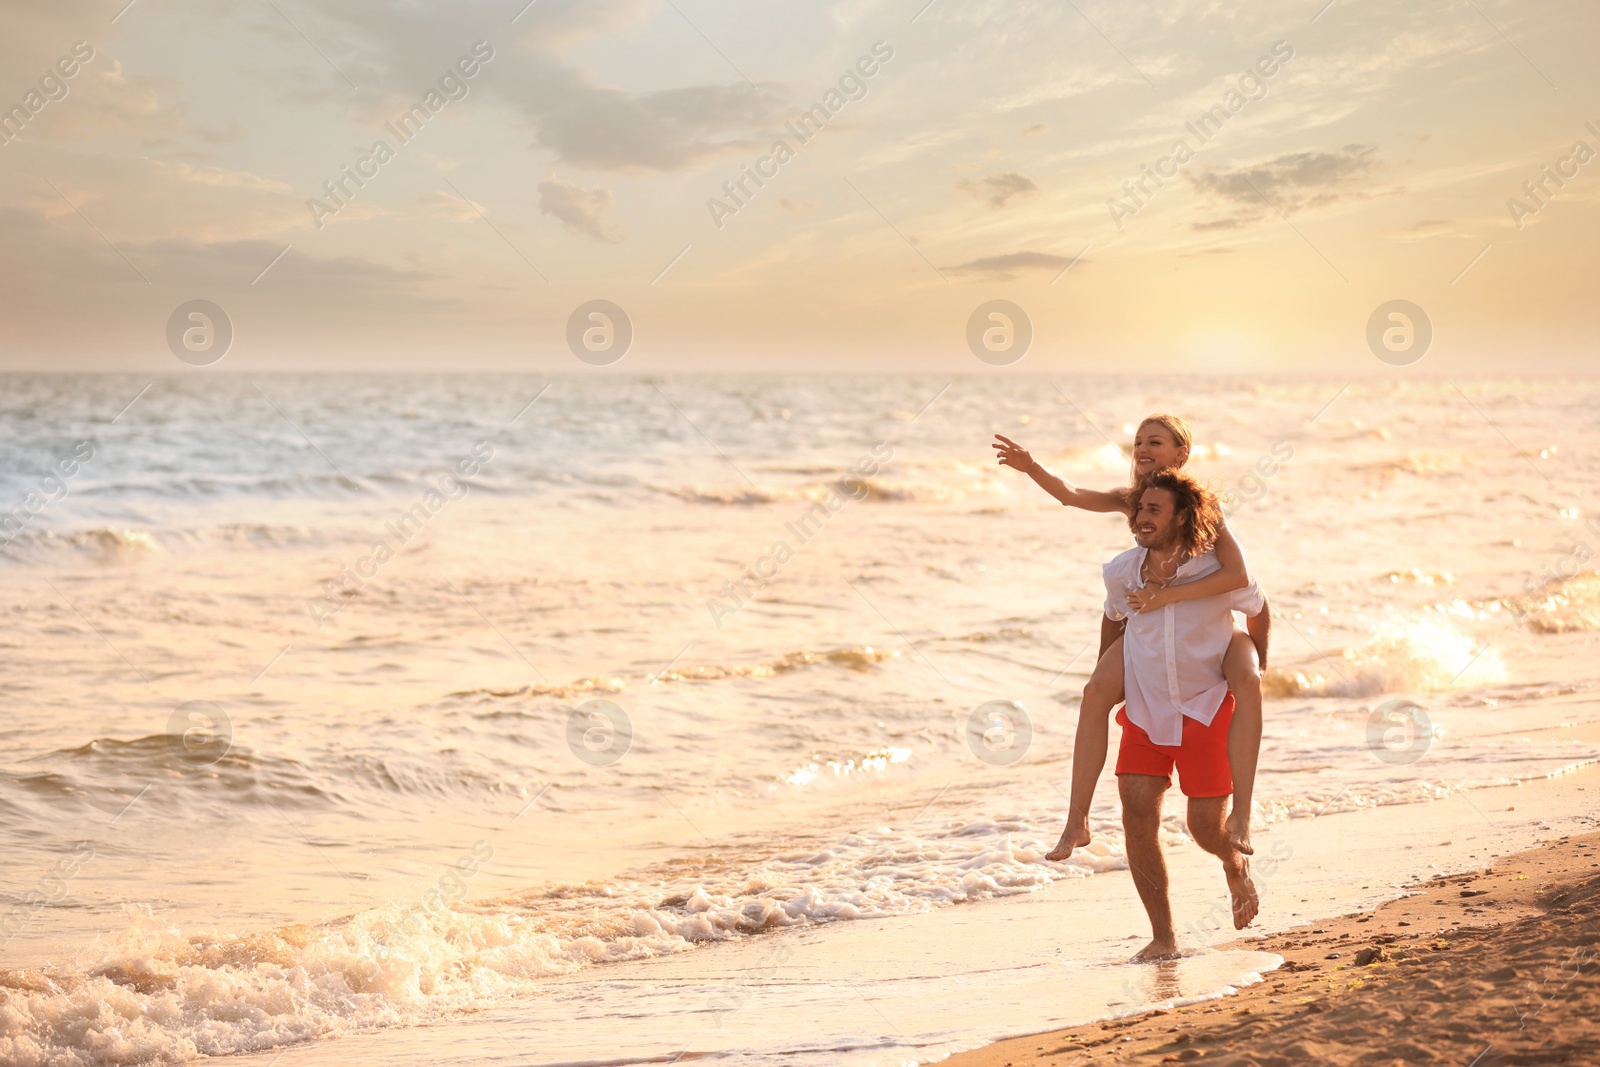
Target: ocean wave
<point>106,773</point>
<point>875,762</point>
<point>878,490</point>
<point>581,687</point>
<point>860,658</point>
<point>1416,657</point>
<point>107,543</point>
<point>856,658</point>
<point>728,496</point>
<point>1564,605</point>
<point>885,491</point>
<point>222,485</point>
<point>1420,465</point>
<point>113,543</point>
<point>1414,576</point>
<point>158,995</point>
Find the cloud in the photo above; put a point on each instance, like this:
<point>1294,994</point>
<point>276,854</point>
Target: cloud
<point>219,176</point>
<point>999,188</point>
<point>394,56</point>
<point>1296,181</point>
<point>447,205</point>
<point>301,272</point>
<point>1290,183</point>
<point>142,200</point>
<point>68,289</point>
<point>796,205</point>
<point>1004,267</point>
<point>604,128</point>
<point>100,97</point>
<point>585,211</point>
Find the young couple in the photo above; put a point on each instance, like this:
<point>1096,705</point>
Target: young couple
<point>1190,682</point>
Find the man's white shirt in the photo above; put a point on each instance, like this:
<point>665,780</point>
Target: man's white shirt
<point>1172,657</point>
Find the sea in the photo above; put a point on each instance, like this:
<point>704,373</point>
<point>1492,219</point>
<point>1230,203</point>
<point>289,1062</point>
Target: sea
<point>616,718</point>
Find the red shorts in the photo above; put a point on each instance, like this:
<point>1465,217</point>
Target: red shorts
<point>1202,759</point>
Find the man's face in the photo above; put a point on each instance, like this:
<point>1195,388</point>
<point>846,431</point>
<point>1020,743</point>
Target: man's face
<point>1155,523</point>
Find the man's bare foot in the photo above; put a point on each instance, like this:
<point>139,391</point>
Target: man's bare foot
<point>1161,948</point>
<point>1246,904</point>
<point>1076,835</point>
<point>1238,827</point>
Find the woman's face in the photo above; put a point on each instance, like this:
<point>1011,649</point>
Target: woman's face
<point>1155,449</point>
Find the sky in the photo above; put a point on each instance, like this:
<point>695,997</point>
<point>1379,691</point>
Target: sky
<point>1049,155</point>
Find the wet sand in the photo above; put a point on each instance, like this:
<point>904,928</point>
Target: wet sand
<point>1499,966</point>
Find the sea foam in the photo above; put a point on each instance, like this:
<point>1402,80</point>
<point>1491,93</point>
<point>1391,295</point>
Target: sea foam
<point>1400,657</point>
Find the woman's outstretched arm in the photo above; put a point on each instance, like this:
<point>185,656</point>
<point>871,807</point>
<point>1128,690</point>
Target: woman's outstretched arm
<point>1015,456</point>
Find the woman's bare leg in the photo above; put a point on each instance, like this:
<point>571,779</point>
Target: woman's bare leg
<point>1102,693</point>
<point>1243,671</point>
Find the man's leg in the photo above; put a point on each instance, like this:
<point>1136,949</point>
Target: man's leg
<point>1243,672</point>
<point>1206,827</point>
<point>1141,825</point>
<point>1100,695</point>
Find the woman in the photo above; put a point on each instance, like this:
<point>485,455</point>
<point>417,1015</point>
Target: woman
<point>1162,442</point>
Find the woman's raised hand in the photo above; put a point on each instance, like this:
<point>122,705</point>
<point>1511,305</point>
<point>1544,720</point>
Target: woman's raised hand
<point>1013,455</point>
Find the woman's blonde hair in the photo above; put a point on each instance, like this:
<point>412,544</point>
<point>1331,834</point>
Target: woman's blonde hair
<point>1178,427</point>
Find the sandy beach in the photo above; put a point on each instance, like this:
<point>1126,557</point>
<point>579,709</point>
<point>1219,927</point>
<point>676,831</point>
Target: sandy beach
<point>1490,967</point>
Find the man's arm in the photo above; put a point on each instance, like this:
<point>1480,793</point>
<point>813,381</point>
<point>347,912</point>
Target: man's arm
<point>1110,630</point>
<point>1259,627</point>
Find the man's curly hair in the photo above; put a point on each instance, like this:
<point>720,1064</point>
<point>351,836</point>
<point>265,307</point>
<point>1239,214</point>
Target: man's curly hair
<point>1199,511</point>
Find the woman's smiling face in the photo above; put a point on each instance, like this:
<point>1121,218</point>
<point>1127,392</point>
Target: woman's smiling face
<point>1155,448</point>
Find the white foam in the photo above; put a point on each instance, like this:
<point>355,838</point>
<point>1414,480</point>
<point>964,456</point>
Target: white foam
<point>156,995</point>
<point>1418,656</point>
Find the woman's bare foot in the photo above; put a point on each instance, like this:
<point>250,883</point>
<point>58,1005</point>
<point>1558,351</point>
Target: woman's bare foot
<point>1246,904</point>
<point>1076,835</point>
<point>1162,948</point>
<point>1238,827</point>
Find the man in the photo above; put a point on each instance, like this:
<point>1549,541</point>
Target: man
<point>1178,705</point>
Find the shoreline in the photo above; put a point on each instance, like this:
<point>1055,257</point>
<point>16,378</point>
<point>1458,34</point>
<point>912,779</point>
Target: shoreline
<point>1486,967</point>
